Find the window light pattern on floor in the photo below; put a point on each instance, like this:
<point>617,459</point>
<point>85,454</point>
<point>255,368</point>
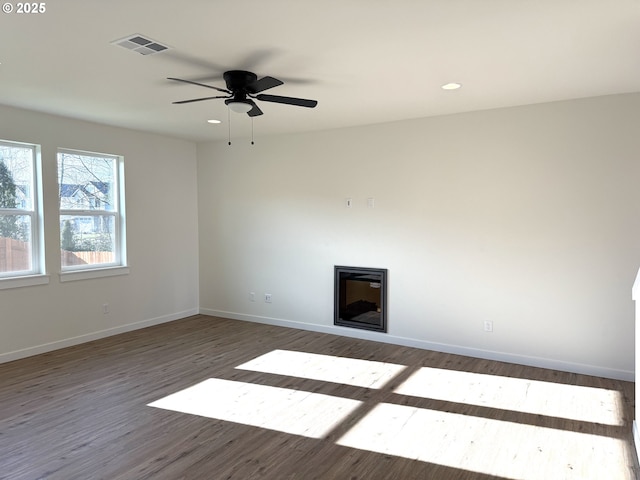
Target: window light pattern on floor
<point>285,410</point>
<point>573,402</point>
<point>477,443</point>
<point>505,449</point>
<point>328,368</point>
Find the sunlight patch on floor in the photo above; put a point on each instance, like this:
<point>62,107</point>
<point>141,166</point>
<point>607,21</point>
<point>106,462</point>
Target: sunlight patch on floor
<point>328,368</point>
<point>587,404</point>
<point>297,412</point>
<point>494,447</point>
<point>509,450</point>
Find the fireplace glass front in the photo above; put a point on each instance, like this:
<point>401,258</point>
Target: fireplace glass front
<point>360,298</point>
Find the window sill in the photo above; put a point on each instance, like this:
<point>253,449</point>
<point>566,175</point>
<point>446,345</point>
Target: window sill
<point>26,281</point>
<point>74,275</point>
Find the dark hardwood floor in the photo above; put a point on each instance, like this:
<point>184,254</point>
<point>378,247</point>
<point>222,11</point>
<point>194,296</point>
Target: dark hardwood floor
<point>82,413</point>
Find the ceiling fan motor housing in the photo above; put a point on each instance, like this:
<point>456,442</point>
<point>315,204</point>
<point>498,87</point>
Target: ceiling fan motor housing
<point>239,80</point>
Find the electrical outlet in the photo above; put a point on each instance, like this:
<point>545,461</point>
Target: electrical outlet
<point>488,326</point>
<point>267,298</point>
<point>105,308</point>
<point>252,296</point>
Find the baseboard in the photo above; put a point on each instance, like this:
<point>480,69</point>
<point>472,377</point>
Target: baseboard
<point>531,361</point>
<point>70,342</point>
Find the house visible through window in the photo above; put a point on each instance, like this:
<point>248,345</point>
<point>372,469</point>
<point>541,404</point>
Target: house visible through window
<point>20,218</point>
<point>91,195</point>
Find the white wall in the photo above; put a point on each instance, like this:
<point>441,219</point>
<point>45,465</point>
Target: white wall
<point>528,217</point>
<point>161,208</point>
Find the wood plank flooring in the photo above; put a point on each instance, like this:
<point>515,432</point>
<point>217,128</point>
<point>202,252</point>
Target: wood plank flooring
<point>82,413</point>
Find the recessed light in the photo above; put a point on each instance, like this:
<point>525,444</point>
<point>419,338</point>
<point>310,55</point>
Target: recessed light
<point>214,121</point>
<point>451,86</point>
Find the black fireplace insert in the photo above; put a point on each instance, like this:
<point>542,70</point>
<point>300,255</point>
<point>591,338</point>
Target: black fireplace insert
<point>360,298</point>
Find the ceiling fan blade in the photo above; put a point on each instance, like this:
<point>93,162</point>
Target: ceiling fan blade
<point>199,84</point>
<point>199,99</point>
<point>255,111</point>
<point>263,84</point>
<point>300,102</point>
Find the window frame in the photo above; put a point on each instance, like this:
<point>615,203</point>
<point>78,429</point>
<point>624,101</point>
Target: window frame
<point>119,265</point>
<point>36,275</point>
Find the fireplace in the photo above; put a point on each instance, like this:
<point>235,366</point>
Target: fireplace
<point>360,298</point>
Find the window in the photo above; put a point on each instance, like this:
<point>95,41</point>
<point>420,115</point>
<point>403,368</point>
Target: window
<point>21,253</point>
<point>92,227</point>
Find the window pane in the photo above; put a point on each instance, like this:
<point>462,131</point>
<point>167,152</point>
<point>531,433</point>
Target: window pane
<point>19,238</point>
<point>91,220</point>
<point>16,177</point>
<point>15,243</point>
<point>86,182</point>
<point>87,240</point>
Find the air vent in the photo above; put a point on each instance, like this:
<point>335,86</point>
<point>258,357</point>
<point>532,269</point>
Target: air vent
<point>141,44</point>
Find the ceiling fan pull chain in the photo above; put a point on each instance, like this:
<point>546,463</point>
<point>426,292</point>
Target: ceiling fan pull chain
<point>229,124</point>
<point>252,131</point>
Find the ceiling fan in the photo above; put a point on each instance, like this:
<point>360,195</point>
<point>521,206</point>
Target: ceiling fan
<point>242,88</point>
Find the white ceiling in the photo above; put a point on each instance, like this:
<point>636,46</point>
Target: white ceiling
<point>365,61</point>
